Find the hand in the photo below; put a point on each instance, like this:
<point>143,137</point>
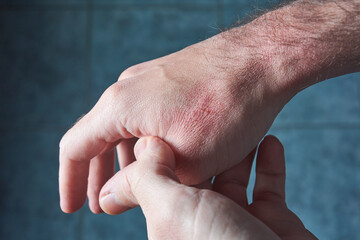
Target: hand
<point>192,99</point>
<point>176,211</point>
<point>213,101</point>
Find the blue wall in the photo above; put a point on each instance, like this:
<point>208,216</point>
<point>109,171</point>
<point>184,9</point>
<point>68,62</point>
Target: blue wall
<point>57,57</point>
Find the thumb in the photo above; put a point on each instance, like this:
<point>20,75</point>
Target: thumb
<point>149,181</point>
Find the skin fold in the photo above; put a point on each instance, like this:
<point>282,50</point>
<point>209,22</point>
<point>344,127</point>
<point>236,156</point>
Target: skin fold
<point>211,102</point>
<point>219,212</point>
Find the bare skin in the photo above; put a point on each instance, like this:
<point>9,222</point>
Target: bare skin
<point>176,211</point>
<point>212,102</point>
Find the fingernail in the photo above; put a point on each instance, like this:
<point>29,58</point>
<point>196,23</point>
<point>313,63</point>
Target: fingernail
<point>140,146</point>
<point>110,203</point>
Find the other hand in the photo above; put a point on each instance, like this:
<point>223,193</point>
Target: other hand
<point>176,211</point>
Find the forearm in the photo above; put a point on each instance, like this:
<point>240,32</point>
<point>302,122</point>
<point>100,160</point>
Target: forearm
<point>304,42</point>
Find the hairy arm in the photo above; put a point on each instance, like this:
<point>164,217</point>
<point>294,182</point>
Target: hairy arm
<point>302,43</point>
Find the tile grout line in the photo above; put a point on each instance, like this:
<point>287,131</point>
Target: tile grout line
<point>108,6</point>
<point>80,233</point>
<point>220,15</point>
<point>88,91</point>
<point>358,82</point>
<point>88,55</point>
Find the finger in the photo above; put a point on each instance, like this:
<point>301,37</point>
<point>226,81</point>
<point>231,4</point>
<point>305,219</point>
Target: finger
<point>207,184</point>
<point>233,182</point>
<point>270,171</point>
<point>102,168</point>
<point>96,132</point>
<point>72,198</point>
<point>167,204</point>
<point>149,181</point>
<point>125,152</point>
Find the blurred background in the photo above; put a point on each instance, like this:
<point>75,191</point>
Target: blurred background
<point>58,56</point>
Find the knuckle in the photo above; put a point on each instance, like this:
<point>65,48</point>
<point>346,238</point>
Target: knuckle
<point>141,177</point>
<point>127,190</point>
<point>130,72</point>
<point>269,196</point>
<point>62,144</point>
<point>112,92</point>
<point>64,147</point>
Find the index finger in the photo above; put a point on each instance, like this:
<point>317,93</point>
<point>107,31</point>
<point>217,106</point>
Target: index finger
<point>95,133</point>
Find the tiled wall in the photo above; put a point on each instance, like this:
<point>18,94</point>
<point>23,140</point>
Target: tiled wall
<point>57,57</point>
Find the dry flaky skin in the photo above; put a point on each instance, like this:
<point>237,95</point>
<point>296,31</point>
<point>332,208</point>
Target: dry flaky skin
<point>212,101</point>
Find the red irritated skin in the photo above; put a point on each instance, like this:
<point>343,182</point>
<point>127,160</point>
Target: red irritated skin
<point>212,102</point>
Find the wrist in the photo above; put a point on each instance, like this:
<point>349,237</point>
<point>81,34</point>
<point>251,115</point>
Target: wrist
<point>300,44</point>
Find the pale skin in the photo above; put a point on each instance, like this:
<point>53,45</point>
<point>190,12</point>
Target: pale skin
<point>176,211</point>
<point>212,102</point>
